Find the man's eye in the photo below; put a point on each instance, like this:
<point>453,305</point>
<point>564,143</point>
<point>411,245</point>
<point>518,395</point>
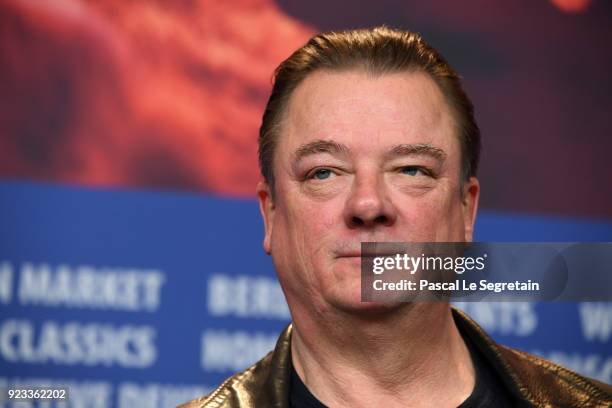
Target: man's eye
<point>321,174</point>
<point>411,170</point>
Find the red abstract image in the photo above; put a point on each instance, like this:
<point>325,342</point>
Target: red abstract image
<point>139,93</point>
<point>169,95</point>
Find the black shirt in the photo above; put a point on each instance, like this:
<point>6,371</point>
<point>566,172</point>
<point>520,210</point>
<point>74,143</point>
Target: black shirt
<point>489,390</point>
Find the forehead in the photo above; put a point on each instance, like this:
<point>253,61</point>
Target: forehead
<point>362,110</point>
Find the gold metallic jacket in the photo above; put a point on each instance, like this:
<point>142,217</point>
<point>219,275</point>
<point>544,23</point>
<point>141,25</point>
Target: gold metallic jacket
<point>532,380</point>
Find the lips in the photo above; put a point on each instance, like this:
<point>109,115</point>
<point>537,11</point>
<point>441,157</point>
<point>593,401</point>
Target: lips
<point>355,255</point>
<point>378,249</point>
<point>376,255</point>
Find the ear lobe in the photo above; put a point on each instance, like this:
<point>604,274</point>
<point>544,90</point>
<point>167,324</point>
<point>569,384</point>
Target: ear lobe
<point>266,207</point>
<point>471,195</point>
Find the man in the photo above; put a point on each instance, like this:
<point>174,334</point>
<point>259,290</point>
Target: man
<point>368,136</point>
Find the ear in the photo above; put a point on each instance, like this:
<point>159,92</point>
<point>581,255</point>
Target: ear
<point>266,207</point>
<point>471,194</point>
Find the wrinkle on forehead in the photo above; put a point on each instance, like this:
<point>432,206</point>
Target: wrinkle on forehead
<point>327,103</point>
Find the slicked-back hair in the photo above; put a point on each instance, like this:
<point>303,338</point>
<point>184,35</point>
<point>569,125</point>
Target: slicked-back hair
<point>376,51</point>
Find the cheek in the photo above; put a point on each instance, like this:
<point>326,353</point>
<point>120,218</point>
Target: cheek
<point>450,224</point>
<point>309,215</point>
<point>303,233</point>
<point>300,242</point>
<point>436,216</point>
<point>293,225</point>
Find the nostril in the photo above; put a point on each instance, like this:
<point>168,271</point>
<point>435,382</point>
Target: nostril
<point>381,219</point>
<point>357,221</point>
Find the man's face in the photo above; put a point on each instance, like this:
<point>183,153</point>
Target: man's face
<point>361,158</point>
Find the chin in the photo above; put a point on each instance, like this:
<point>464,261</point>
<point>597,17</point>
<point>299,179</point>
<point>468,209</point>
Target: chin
<point>372,312</point>
<point>349,301</point>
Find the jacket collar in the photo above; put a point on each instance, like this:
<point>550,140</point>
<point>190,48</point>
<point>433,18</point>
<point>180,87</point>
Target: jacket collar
<point>532,380</point>
<point>492,352</point>
<point>277,384</point>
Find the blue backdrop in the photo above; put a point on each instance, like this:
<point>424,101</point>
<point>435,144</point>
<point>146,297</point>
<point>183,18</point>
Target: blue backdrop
<point>150,299</point>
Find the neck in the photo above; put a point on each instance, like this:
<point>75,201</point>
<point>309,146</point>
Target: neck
<point>403,357</point>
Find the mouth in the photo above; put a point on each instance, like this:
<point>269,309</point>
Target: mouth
<point>359,256</point>
<point>385,249</point>
<point>376,254</point>
<point>350,255</point>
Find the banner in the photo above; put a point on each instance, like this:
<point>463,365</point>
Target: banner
<point>142,299</point>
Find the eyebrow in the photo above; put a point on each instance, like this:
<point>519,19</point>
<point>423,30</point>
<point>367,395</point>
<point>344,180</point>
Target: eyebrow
<point>419,149</point>
<point>334,148</point>
<point>320,146</point>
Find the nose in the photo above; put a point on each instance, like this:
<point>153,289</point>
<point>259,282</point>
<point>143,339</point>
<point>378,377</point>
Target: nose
<point>368,205</point>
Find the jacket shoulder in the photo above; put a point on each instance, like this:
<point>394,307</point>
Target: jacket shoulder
<point>264,384</point>
<point>229,393</point>
<point>545,382</point>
